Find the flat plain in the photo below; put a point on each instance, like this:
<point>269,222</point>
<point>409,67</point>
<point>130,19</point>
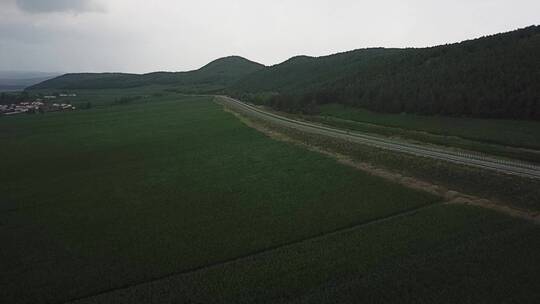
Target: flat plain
<point>168,198</point>
<point>96,199</point>
<point>442,254</point>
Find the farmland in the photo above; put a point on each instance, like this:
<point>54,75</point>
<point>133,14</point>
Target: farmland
<point>444,254</point>
<point>175,200</point>
<point>138,191</point>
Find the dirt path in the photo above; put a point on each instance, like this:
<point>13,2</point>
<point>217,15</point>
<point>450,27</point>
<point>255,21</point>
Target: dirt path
<point>450,197</point>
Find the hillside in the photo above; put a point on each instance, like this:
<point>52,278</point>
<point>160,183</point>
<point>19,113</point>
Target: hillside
<point>217,74</point>
<point>496,77</point>
<point>491,77</point>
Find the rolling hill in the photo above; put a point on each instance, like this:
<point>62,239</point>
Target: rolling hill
<point>18,80</point>
<point>215,75</point>
<point>491,77</point>
<point>494,77</point>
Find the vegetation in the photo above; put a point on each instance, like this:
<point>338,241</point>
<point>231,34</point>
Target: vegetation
<point>114,195</point>
<point>507,138</point>
<point>444,254</point>
<point>110,97</point>
<point>215,75</point>
<point>155,195</point>
<point>127,99</point>
<point>490,77</point>
<point>521,193</point>
<point>10,98</point>
<point>149,195</point>
<point>504,132</point>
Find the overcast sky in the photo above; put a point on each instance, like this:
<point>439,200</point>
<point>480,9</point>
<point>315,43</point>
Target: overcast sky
<point>143,36</point>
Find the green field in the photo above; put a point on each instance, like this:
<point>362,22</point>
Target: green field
<point>444,254</point>
<point>167,185</point>
<point>507,138</point>
<point>133,192</point>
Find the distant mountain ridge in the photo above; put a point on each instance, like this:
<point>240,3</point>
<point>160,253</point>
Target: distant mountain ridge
<point>19,80</point>
<point>496,76</point>
<point>217,74</point>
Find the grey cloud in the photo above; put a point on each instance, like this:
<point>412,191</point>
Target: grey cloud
<point>150,35</point>
<point>48,6</point>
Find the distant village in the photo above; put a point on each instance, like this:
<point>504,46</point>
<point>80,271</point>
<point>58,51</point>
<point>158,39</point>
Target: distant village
<point>42,105</point>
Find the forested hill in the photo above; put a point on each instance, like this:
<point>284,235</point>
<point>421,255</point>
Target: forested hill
<point>493,77</point>
<point>496,76</point>
<point>215,75</point>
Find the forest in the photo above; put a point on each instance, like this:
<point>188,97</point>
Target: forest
<point>490,77</point>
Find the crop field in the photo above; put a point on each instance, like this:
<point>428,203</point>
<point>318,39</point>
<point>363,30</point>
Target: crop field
<point>520,193</point>
<point>96,199</point>
<point>514,133</point>
<point>443,254</point>
<point>168,198</point>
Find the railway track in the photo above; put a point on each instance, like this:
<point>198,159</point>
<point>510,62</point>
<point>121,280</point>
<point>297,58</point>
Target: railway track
<point>513,167</point>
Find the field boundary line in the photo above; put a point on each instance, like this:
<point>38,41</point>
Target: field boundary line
<point>337,231</point>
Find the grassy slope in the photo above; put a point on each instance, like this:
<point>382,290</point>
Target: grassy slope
<point>96,199</point>
<point>444,254</point>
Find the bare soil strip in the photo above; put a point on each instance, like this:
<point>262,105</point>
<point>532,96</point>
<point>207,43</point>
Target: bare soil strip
<point>450,197</point>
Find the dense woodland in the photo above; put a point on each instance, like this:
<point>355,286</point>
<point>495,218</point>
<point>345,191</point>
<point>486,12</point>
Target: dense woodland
<point>490,77</point>
<point>494,77</point>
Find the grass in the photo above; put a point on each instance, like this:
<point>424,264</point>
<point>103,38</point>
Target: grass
<point>443,254</point>
<point>171,199</point>
<point>492,136</point>
<point>98,199</point>
<point>514,191</point>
